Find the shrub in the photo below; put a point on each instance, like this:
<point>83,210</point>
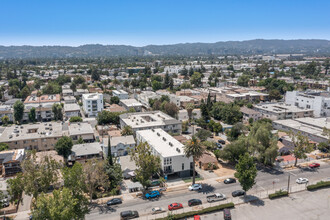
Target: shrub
<point>319,185</point>
<point>278,194</point>
<point>201,212</point>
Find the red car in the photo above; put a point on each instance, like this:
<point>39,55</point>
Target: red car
<point>314,165</point>
<point>175,206</point>
<point>197,217</point>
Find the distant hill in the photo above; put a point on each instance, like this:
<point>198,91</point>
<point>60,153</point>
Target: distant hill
<point>259,46</point>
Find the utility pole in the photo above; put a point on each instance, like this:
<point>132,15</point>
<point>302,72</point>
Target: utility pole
<point>289,183</point>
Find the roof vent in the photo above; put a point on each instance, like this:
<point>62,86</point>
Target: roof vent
<point>158,134</point>
<point>153,130</point>
<point>170,144</point>
<point>164,139</point>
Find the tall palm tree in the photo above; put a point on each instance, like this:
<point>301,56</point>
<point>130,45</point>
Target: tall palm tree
<point>194,149</point>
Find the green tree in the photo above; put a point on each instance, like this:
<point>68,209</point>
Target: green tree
<point>63,146</point>
<point>4,146</point>
<point>243,81</point>
<point>237,130</point>
<point>61,205</point>
<point>147,164</point>
<point>171,109</point>
<point>25,92</point>
<point>114,100</point>
<point>5,120</point>
<point>190,107</point>
<point>127,130</point>
<point>52,88</point>
<point>234,150</point>
<point>217,128</point>
<point>74,179</point>
<point>301,146</point>
<point>246,172</point>
<point>156,85</point>
<point>15,187</point>
<point>194,149</point>
<point>185,126</point>
<point>57,110</point>
<point>18,111</point>
<point>95,75</point>
<point>32,114</point>
<point>110,159</point>
<point>274,95</point>
<point>80,141</point>
<point>114,173</point>
<point>75,119</point>
<point>203,134</point>
<point>196,79</point>
<point>106,117</point>
<point>95,176</point>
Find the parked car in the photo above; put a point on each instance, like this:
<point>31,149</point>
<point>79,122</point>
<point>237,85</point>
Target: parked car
<point>220,141</point>
<point>175,206</point>
<point>193,202</point>
<point>314,165</point>
<point>153,194</point>
<point>5,203</point>
<point>157,210</point>
<point>129,214</point>
<point>195,187</point>
<point>238,193</point>
<point>219,146</point>
<point>226,214</point>
<point>302,180</point>
<point>114,201</point>
<point>216,197</point>
<point>229,180</point>
<point>197,217</point>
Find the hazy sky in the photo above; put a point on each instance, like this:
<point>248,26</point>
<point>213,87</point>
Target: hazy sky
<point>143,22</point>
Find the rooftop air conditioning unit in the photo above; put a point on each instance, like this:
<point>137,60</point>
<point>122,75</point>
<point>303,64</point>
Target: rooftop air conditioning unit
<point>164,139</point>
<point>158,134</point>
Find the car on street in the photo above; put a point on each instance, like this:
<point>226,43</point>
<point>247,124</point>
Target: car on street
<point>157,210</point>
<point>129,214</point>
<point>5,203</point>
<point>220,141</point>
<point>229,180</point>
<point>215,197</point>
<point>314,165</point>
<point>114,201</point>
<point>175,206</point>
<point>302,180</point>
<point>193,202</point>
<point>153,194</point>
<point>197,217</point>
<point>195,186</point>
<point>219,145</point>
<point>226,214</point>
<point>238,193</point>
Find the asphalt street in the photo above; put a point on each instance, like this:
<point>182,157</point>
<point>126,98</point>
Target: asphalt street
<point>267,179</point>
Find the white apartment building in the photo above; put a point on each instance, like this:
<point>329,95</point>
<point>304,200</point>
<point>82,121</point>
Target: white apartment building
<point>280,111</point>
<point>71,110</point>
<point>317,101</point>
<point>131,103</point>
<point>92,104</point>
<point>169,150</point>
<point>7,110</point>
<point>144,97</point>
<point>148,120</point>
<point>121,94</point>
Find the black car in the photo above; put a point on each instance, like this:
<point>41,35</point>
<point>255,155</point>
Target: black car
<point>114,201</point>
<point>220,141</point>
<point>226,214</point>
<point>229,180</point>
<point>238,193</point>
<point>129,214</point>
<point>193,202</point>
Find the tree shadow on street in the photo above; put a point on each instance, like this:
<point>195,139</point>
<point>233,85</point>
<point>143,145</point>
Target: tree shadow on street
<point>103,209</point>
<point>253,200</point>
<point>206,189</point>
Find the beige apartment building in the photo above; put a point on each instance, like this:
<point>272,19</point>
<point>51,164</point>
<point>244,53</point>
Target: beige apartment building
<point>40,137</point>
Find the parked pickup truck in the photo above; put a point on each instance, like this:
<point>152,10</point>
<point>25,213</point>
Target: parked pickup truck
<point>216,197</point>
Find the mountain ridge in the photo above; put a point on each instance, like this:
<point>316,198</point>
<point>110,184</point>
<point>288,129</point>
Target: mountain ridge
<point>247,47</point>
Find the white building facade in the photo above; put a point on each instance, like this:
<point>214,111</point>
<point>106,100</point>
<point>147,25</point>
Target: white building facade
<point>169,150</point>
<point>92,104</point>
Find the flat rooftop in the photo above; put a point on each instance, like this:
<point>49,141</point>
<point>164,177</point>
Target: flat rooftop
<point>92,96</point>
<point>31,131</point>
<point>43,98</point>
<point>162,142</point>
<point>71,107</point>
<point>131,102</point>
<point>144,119</point>
<point>80,128</point>
<point>280,108</point>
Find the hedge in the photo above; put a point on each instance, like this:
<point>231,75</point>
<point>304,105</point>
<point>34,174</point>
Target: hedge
<point>201,212</point>
<point>321,184</point>
<point>278,194</point>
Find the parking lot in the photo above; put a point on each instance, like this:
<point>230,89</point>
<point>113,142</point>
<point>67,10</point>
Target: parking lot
<point>304,206</point>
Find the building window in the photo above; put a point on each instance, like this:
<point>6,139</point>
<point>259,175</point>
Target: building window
<point>182,166</point>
